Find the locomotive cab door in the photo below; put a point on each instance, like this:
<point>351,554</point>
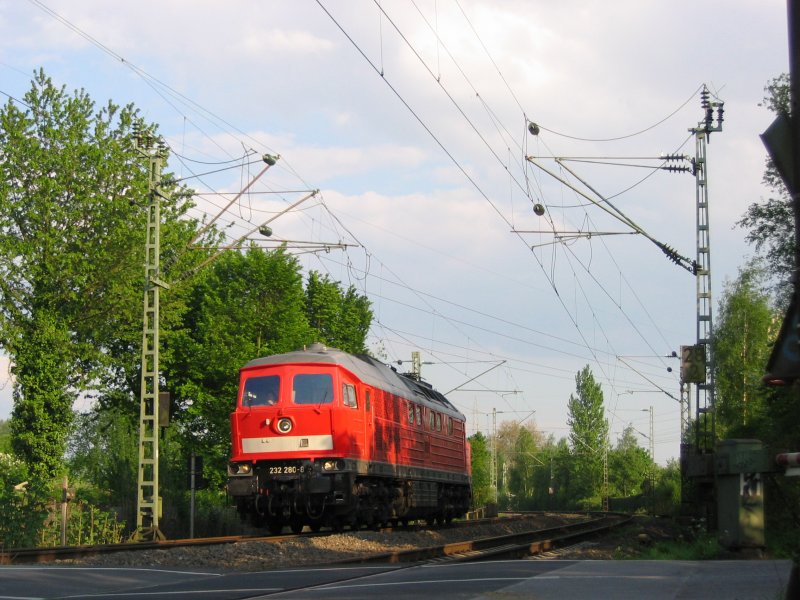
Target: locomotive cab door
<point>354,418</point>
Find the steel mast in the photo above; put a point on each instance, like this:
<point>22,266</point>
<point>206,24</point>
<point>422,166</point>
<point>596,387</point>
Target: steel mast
<point>148,507</point>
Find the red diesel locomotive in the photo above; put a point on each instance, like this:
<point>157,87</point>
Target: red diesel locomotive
<point>323,437</point>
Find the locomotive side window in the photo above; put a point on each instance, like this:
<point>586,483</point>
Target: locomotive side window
<point>261,391</point>
<point>410,413</point>
<point>368,397</point>
<point>438,422</point>
<point>349,395</point>
<point>316,388</point>
<point>450,425</point>
<point>419,416</point>
<point>431,420</point>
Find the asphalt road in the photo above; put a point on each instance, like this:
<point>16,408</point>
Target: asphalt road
<point>559,579</point>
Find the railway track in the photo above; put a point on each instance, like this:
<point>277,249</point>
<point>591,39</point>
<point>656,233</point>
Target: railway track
<point>515,545</point>
<point>535,539</point>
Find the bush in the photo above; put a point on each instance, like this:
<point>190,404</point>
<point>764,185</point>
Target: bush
<point>19,519</point>
<point>31,514</point>
<point>86,525</point>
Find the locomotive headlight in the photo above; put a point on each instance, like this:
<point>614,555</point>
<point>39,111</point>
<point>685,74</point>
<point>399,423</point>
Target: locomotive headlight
<point>284,425</point>
<point>329,465</point>
<point>240,469</point>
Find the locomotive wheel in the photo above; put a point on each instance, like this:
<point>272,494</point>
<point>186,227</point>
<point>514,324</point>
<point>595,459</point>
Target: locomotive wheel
<point>315,525</point>
<point>296,525</point>
<point>275,526</point>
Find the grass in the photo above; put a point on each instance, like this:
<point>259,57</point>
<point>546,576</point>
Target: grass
<point>705,547</point>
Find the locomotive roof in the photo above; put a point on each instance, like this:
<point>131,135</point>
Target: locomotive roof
<point>367,369</point>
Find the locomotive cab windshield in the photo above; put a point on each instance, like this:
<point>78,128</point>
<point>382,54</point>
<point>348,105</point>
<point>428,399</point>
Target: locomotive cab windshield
<point>314,388</point>
<point>261,391</point>
<point>307,388</point>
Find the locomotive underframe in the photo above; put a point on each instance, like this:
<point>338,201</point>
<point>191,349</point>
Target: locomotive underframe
<point>353,493</point>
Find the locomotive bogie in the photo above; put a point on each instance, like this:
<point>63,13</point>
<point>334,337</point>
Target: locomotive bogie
<point>324,437</point>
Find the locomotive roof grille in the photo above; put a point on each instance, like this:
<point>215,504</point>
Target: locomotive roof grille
<point>428,391</point>
<point>366,368</point>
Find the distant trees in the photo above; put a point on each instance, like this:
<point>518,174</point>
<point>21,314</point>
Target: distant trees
<point>538,472</point>
<point>628,465</point>
<point>524,462</point>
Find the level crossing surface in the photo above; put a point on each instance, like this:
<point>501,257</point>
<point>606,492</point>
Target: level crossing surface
<point>559,579</point>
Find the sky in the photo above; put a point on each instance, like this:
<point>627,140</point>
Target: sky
<point>412,119</point>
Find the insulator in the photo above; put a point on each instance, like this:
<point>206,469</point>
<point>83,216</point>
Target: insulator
<point>720,112</point>
<point>704,97</point>
<point>676,168</point>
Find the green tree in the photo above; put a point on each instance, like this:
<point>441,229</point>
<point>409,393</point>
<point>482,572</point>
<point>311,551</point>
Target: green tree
<point>341,319</point>
<point>482,492</point>
<point>628,465</point>
<point>60,202</point>
<point>5,437</point>
<point>247,304</point>
<point>42,412</point>
<point>771,222</point>
<point>524,462</point>
<point>505,440</point>
<point>588,433</point>
<point>71,243</point>
<point>563,488</point>
<point>668,489</point>
<point>103,452</point>
<point>742,341</point>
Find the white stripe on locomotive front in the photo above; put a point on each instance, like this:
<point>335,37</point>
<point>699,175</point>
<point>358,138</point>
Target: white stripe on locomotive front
<point>287,443</point>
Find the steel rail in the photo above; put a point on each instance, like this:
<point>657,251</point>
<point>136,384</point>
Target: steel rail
<point>515,545</point>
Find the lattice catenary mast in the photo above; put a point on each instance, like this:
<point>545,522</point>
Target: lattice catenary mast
<point>704,402</point>
<point>147,504</point>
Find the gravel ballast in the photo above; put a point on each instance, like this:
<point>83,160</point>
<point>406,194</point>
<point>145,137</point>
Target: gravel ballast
<point>259,555</point>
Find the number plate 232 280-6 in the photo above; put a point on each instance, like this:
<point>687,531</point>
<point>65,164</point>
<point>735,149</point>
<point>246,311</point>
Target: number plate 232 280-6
<point>286,470</point>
